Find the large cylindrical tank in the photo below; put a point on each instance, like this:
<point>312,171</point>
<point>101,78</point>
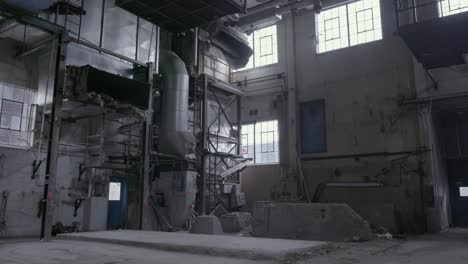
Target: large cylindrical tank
<point>174,116</point>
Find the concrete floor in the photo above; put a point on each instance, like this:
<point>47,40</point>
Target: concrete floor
<point>224,246</point>
<point>79,252</point>
<point>448,247</point>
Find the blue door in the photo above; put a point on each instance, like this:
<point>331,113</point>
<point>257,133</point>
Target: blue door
<point>458,184</point>
<point>117,209</point>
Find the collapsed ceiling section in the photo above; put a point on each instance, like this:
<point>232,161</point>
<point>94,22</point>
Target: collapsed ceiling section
<point>181,15</point>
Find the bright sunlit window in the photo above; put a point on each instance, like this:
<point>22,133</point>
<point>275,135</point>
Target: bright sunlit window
<point>348,25</point>
<point>463,191</point>
<point>452,7</point>
<point>264,42</point>
<point>114,191</point>
<point>260,142</point>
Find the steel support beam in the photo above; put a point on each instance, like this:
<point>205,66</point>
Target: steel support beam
<point>204,145</point>
<point>48,201</point>
<point>145,221</point>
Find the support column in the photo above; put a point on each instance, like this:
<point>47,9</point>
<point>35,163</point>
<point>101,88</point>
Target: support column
<point>48,201</point>
<point>145,223</point>
<point>292,96</point>
<point>204,145</point>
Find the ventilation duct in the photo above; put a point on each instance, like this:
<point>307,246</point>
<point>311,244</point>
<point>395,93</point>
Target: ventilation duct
<point>271,12</point>
<point>232,42</point>
<point>175,137</point>
<point>24,6</point>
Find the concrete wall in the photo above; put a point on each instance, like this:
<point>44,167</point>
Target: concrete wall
<point>16,167</point>
<point>362,87</point>
<point>260,183</point>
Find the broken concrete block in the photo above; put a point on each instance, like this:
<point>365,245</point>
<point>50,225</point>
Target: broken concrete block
<point>236,222</point>
<point>304,221</point>
<point>208,225</point>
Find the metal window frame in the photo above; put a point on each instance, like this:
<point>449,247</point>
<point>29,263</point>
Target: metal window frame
<point>270,44</point>
<point>325,28</point>
<point>254,44</point>
<point>255,123</point>
<point>348,18</point>
<point>262,143</point>
<point>21,115</point>
<point>371,9</point>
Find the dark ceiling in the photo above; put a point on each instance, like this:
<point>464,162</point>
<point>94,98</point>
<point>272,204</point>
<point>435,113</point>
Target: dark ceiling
<point>181,15</point>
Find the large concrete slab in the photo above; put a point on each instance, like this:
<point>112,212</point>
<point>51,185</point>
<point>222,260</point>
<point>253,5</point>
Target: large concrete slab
<point>80,252</point>
<point>310,221</point>
<point>224,246</point>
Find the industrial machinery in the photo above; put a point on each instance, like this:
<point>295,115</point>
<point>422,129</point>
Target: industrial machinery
<point>169,126</point>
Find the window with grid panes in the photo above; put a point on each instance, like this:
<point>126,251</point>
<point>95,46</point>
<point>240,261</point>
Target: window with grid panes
<point>264,42</point>
<point>348,25</point>
<point>259,142</point>
<point>17,113</point>
<point>452,7</point>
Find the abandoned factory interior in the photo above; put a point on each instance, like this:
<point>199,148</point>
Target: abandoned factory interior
<point>233,131</point>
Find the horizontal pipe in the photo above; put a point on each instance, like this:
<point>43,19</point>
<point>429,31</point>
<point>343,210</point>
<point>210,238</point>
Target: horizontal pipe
<point>227,88</point>
<point>354,184</point>
<point>429,99</point>
<point>367,155</point>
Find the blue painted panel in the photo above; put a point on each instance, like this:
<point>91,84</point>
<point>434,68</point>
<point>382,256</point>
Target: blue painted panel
<point>313,127</point>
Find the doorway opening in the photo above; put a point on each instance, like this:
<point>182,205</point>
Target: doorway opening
<point>117,208</point>
<point>453,139</point>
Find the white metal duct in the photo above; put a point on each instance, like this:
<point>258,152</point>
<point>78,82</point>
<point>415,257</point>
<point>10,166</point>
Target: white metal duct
<point>174,133</point>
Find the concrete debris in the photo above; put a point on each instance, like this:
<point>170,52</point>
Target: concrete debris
<point>385,236</point>
<point>236,222</point>
<point>208,225</point>
<point>320,222</point>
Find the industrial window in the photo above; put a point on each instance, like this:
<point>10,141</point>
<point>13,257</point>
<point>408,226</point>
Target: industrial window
<point>313,127</point>
<point>17,113</point>
<point>264,42</point>
<point>114,191</point>
<point>260,142</point>
<point>452,7</point>
<point>463,191</point>
<point>348,25</point>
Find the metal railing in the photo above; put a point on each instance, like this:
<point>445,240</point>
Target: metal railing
<point>217,68</point>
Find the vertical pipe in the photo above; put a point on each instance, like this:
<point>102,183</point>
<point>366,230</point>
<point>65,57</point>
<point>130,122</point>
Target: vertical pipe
<point>146,182</point>
<point>66,15</point>
<point>157,47</point>
<point>195,46</point>
<point>81,19</point>
<point>48,201</point>
<point>239,129</point>
<point>204,143</point>
<point>415,15</point>
<point>101,33</point>
<point>137,40</point>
